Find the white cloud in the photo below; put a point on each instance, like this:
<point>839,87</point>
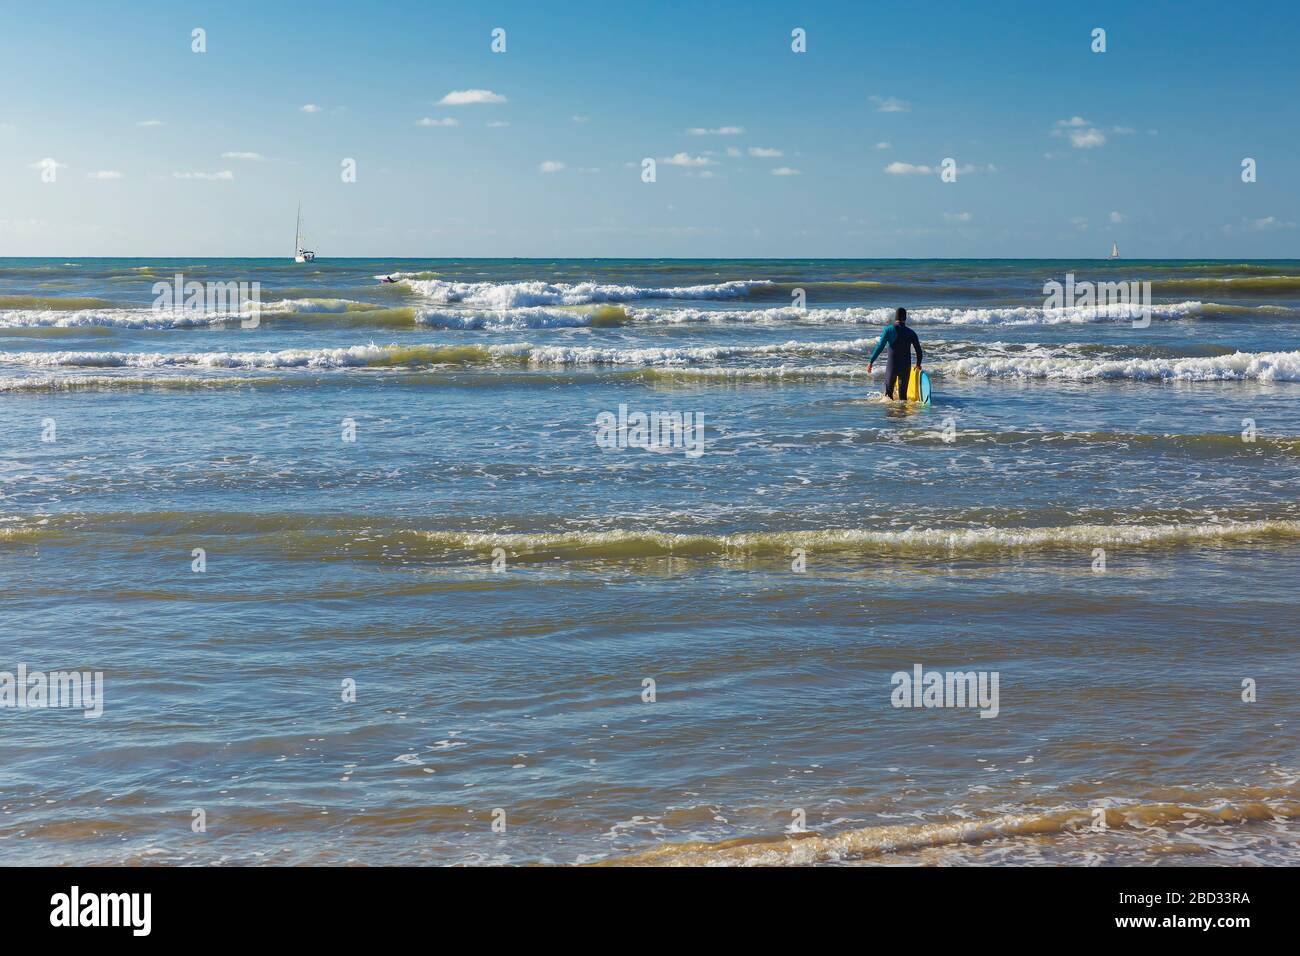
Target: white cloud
<point>1080,223</point>
<point>914,169</point>
<point>104,174</point>
<point>224,175</point>
<point>310,108</point>
<point>498,124</point>
<point>883,145</point>
<point>764,152</point>
<point>890,104</point>
<point>1081,133</point>
<point>1123,130</point>
<point>250,157</point>
<point>1267,224</point>
<point>150,122</point>
<point>551,166</point>
<point>1086,138</point>
<point>908,169</point>
<point>685,159</point>
<point>47,163</point>
<point>958,216</point>
<point>470,98</point>
<point>580,119</point>
<point>1117,216</point>
<point>734,152</point>
<point>427,121</point>
<point>716,131</point>
<point>785,171</point>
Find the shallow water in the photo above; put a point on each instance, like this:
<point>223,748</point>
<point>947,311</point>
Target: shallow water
<point>962,536</point>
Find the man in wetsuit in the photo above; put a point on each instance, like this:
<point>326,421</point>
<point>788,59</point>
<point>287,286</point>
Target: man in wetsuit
<point>900,340</point>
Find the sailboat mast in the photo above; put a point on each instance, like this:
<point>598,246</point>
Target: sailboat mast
<point>297,231</point>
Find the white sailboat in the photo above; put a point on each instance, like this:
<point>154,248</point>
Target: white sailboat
<point>1114,250</point>
<point>299,253</point>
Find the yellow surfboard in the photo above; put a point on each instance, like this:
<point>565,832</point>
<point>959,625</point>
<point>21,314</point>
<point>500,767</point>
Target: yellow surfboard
<point>914,385</point>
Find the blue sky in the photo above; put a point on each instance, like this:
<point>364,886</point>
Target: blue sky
<point>1060,150</point>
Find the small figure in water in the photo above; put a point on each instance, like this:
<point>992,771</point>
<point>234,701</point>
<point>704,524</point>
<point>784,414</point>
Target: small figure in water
<point>387,279</point>
<point>900,340</point>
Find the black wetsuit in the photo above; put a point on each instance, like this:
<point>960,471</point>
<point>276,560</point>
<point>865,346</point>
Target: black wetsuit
<point>900,340</point>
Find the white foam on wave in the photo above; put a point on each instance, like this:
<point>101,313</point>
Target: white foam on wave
<point>357,355</point>
<point>110,318</point>
<point>149,318</point>
<point>849,539</point>
<point>60,382</point>
<point>990,359</point>
<point>530,317</point>
<point>1008,315</point>
<point>1239,366</point>
<point>539,317</point>
<point>427,353</point>
<point>507,295</point>
<point>668,357</point>
<point>496,307</point>
<point>760,373</point>
<point>315,305</point>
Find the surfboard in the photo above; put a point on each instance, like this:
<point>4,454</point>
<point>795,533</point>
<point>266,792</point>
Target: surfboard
<point>925,388</point>
<point>914,385</point>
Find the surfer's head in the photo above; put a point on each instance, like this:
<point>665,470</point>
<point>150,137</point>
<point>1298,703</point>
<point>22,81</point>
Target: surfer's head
<point>900,315</point>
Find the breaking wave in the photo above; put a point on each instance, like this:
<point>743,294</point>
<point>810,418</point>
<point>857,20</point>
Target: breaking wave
<point>379,539</point>
<point>865,842</point>
<point>110,318</point>
<point>469,315</point>
<point>1006,315</point>
<point>1239,366</point>
<point>542,317</point>
<point>1073,362</point>
<point>508,295</point>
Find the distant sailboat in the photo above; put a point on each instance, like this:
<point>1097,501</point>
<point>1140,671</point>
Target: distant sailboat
<point>299,253</point>
<point>1114,250</point>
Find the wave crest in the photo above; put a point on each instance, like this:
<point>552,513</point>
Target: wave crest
<point>509,295</point>
<point>805,849</point>
<point>1239,366</point>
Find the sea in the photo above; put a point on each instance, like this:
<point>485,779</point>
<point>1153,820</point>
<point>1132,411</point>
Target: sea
<point>595,561</point>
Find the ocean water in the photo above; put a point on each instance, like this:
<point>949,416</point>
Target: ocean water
<point>565,651</point>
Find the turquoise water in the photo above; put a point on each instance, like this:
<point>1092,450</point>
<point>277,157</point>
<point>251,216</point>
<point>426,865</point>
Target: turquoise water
<point>500,587</point>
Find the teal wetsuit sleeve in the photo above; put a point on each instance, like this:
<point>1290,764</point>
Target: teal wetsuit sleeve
<point>885,339</point>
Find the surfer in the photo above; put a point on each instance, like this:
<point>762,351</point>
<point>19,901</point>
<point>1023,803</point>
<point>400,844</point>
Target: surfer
<point>388,279</point>
<point>900,340</point>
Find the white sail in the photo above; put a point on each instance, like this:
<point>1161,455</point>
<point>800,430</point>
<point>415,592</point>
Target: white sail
<point>299,253</point>
<point>1114,250</point>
